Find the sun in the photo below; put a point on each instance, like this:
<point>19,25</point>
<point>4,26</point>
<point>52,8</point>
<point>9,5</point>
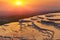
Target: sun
<point>18,3</point>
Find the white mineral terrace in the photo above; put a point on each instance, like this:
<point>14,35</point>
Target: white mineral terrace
<point>56,22</point>
<point>31,29</point>
<point>53,14</point>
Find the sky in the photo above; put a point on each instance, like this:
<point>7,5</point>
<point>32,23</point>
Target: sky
<point>29,5</point>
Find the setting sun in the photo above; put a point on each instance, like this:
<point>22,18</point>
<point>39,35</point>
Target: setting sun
<point>18,3</point>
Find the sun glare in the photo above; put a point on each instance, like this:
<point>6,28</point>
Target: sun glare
<point>18,3</point>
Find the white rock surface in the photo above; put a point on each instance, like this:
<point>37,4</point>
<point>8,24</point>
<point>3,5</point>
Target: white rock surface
<point>34,30</point>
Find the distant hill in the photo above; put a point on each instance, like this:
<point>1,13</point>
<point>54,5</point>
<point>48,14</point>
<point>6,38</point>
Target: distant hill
<point>5,18</point>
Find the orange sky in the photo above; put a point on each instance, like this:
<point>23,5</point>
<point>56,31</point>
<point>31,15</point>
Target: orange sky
<point>30,5</point>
